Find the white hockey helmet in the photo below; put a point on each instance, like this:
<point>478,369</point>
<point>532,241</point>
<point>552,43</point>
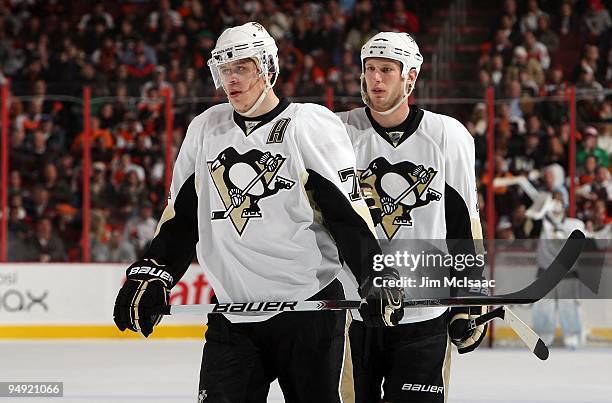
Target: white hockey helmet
<point>252,41</point>
<point>398,46</point>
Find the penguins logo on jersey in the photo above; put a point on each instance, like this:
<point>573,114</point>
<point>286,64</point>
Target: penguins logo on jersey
<point>397,189</point>
<point>242,180</point>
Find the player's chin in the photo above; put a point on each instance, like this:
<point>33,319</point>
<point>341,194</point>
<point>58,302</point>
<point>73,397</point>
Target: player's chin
<point>239,105</point>
<point>380,106</point>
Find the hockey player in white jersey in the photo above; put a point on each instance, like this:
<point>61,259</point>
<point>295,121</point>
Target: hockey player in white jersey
<point>416,168</point>
<point>264,191</point>
<point>554,228</point>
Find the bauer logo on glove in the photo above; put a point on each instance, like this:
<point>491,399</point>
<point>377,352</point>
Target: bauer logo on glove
<point>144,293</point>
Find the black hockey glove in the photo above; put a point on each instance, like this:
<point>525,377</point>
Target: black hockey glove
<point>146,289</point>
<point>383,304</point>
<point>461,330</point>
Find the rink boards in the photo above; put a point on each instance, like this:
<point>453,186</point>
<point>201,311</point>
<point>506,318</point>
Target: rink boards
<point>42,301</point>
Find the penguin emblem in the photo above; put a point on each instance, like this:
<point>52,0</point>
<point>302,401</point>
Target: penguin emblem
<point>397,189</point>
<point>242,180</point>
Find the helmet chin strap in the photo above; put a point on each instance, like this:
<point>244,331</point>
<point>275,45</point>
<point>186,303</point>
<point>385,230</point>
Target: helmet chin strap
<point>262,96</point>
<point>257,103</point>
<point>366,98</point>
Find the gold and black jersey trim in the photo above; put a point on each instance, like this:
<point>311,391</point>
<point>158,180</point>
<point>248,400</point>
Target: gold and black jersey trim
<point>407,127</point>
<point>263,119</point>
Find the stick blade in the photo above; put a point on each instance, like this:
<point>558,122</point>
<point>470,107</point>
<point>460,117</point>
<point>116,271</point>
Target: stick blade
<point>541,351</point>
<point>218,215</point>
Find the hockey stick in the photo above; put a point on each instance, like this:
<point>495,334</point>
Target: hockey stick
<point>218,215</point>
<point>405,193</point>
<point>533,292</point>
<point>396,201</point>
<point>524,332</point>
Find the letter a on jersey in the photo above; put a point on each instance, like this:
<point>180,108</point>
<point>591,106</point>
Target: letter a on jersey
<point>397,189</point>
<point>242,180</point>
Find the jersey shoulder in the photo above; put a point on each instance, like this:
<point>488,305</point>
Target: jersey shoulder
<point>356,123</point>
<point>318,119</point>
<point>444,129</point>
<point>215,115</point>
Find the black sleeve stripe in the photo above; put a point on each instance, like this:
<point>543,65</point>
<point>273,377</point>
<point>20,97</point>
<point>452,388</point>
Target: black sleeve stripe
<point>459,237</point>
<point>458,223</point>
<point>357,245</point>
<point>175,243</point>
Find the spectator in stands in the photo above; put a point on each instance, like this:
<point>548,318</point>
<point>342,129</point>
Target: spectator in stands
<point>567,23</point>
<point>522,226</point>
<point>18,234</point>
<point>592,62</point>
<point>358,35</point>
<point>521,63</point>
<point>99,234</point>
<point>536,49</point>
<point>16,184</point>
<point>141,229</point>
<point>163,87</point>
<point>589,147</point>
<point>15,203</point>
<point>97,16</point>
<point>531,157</point>
<point>599,226</point>
<point>164,11</point>
<point>38,206</point>
<point>504,230</point>
<point>108,117</point>
<point>44,246</point>
<point>502,45</point>
<point>106,57</point>
<point>596,20</point>
<point>102,193</point>
<point>484,81</point>
<point>312,78</point>
<point>104,135</point>
<point>517,103</point>
<point>497,73</point>
<point>600,188</point>
<point>529,21</point>
<point>553,180</point>
<point>555,153</point>
<point>556,80</point>
<point>402,20</point>
<point>58,188</point>
<point>546,35</point>
<point>587,170</point>
<point>132,188</point>
<point>120,250</point>
<point>68,225</point>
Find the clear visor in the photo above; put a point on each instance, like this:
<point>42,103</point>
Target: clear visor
<point>223,72</point>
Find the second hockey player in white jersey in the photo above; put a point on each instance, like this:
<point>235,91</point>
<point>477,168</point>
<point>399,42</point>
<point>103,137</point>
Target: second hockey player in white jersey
<point>264,191</point>
<point>417,169</point>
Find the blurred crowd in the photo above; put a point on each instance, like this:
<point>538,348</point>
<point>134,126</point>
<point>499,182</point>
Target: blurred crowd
<point>537,50</point>
<point>136,54</point>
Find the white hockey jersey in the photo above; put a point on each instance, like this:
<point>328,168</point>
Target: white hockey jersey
<point>422,174</point>
<point>253,194</point>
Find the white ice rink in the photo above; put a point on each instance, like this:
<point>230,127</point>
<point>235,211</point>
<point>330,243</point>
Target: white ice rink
<point>167,371</point>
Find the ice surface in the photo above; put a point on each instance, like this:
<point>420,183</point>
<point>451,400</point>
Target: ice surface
<point>167,371</point>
